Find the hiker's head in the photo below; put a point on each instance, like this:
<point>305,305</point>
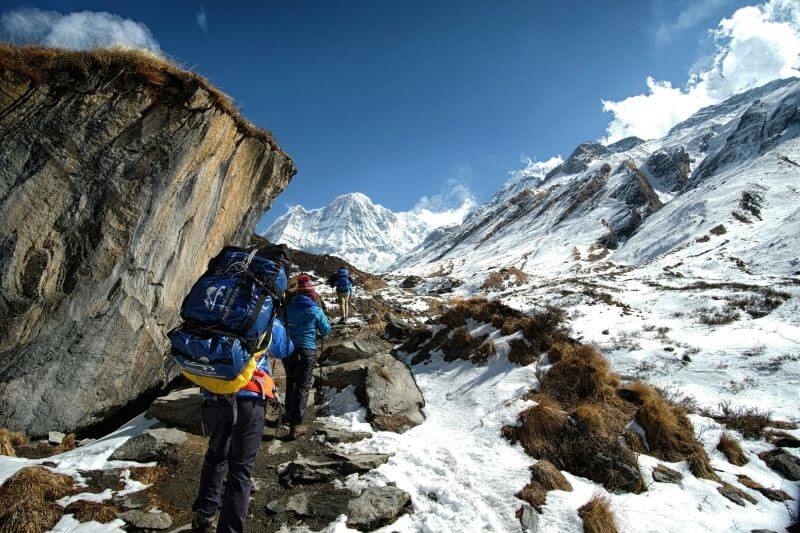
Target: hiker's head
<point>306,287</point>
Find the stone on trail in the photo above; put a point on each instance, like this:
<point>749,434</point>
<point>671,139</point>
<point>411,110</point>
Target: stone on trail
<point>782,462</point>
<point>55,437</point>
<point>385,386</point>
<point>319,470</point>
<point>337,436</point>
<point>664,474</point>
<point>376,506</point>
<point>146,520</point>
<point>737,496</point>
<point>178,408</point>
<point>152,444</point>
<point>348,350</point>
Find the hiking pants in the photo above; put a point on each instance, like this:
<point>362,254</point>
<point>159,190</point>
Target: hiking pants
<point>344,303</point>
<point>234,427</point>
<point>299,377</point>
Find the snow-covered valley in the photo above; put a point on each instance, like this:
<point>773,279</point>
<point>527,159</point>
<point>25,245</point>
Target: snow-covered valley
<point>673,267</point>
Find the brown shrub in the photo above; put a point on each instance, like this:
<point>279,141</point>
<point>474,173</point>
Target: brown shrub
<point>718,230</point>
<point>29,500</point>
<point>494,281</point>
<point>580,374</point>
<point>462,345</point>
<point>670,435</point>
<point>85,511</point>
<point>730,448</point>
<point>546,431</point>
<point>9,439</point>
<point>773,494</point>
<point>548,476</point>
<point>597,516</point>
<point>41,64</point>
<point>521,353</point>
<point>749,421</point>
<point>544,477</point>
<point>68,442</point>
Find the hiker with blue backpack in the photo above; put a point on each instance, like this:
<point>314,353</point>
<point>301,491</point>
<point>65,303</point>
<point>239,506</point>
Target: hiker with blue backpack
<point>306,321</point>
<point>343,284</point>
<point>232,323</point>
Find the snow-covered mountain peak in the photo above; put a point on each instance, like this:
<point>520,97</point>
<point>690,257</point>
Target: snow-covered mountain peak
<point>366,234</point>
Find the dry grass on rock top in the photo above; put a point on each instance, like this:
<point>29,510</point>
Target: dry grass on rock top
<point>45,65</point>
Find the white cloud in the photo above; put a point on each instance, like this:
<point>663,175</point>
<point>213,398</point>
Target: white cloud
<point>448,207</point>
<point>693,13</point>
<point>202,19</point>
<point>80,30</point>
<point>755,45</point>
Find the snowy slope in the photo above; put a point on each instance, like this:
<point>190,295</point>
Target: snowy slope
<point>636,202</point>
<point>365,234</point>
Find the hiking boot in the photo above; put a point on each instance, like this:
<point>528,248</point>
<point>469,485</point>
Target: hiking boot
<point>203,524</point>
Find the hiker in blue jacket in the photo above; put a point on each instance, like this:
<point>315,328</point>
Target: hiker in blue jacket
<point>306,320</point>
<point>343,283</point>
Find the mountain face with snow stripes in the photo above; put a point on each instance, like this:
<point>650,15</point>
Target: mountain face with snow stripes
<point>736,164</point>
<point>367,235</point>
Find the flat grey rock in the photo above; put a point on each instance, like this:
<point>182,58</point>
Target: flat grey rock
<point>376,506</point>
<point>151,445</point>
<point>782,462</point>
<point>55,437</point>
<point>146,520</point>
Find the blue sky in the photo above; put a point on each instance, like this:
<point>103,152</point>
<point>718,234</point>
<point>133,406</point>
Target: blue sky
<point>403,99</point>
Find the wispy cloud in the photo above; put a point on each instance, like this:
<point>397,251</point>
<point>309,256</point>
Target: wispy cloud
<point>202,19</point>
<point>448,207</point>
<point>755,45</point>
<point>80,30</point>
<point>691,14</point>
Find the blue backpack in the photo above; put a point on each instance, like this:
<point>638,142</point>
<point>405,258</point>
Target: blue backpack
<point>231,319</point>
<point>343,283</point>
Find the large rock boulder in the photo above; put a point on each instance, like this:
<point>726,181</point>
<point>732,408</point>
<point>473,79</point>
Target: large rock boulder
<point>347,350</point>
<point>152,444</point>
<point>178,408</point>
<point>120,177</point>
<point>385,386</point>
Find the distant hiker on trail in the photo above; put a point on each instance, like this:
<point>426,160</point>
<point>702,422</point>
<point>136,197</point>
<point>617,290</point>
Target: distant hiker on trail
<point>343,283</point>
<point>306,320</point>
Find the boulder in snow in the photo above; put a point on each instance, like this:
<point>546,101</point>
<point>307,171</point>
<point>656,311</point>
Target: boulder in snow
<point>178,408</point>
<point>151,445</point>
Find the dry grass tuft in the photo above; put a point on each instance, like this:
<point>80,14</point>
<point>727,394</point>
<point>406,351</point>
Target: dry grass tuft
<point>121,65</point>
<point>749,421</point>
<point>520,353</point>
<point>85,511</point>
<point>731,449</point>
<point>544,477</point>
<point>773,494</point>
<point>670,435</point>
<point>548,476</point>
<point>8,440</point>
<point>581,373</point>
<point>597,516</point>
<point>29,500</point>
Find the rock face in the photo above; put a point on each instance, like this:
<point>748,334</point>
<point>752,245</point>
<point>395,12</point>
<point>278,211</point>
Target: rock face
<point>116,188</point>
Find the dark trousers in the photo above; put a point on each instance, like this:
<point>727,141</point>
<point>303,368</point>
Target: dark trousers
<point>299,377</point>
<point>234,427</point>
